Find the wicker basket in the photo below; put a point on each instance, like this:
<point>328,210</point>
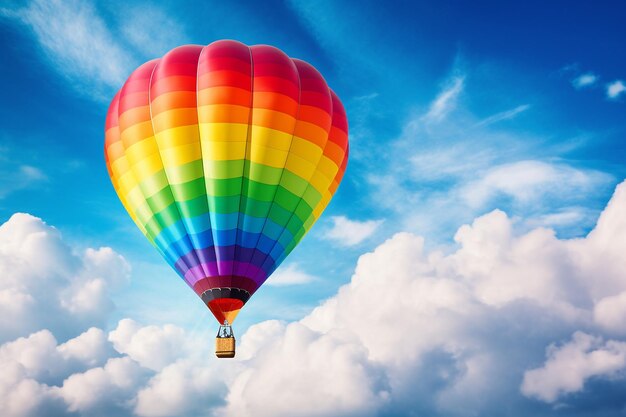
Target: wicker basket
<point>225,347</point>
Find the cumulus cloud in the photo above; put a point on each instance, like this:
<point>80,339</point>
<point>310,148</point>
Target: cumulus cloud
<point>187,387</point>
<point>152,347</point>
<point>306,373</point>
<point>90,376</point>
<point>615,89</point>
<point>32,365</point>
<point>413,330</point>
<point>610,313</point>
<point>88,348</point>
<point>103,390</point>
<point>46,285</point>
<point>432,331</point>
<point>54,362</point>
<point>569,366</point>
<point>346,232</point>
<point>185,379</point>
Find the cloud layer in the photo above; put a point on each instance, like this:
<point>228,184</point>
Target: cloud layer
<point>523,319</point>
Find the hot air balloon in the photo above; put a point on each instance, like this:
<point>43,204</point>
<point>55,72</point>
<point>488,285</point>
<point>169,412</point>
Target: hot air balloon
<point>224,156</point>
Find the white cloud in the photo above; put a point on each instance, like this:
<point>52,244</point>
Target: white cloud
<point>434,177</point>
<point>150,29</point>
<point>289,275</point>
<point>187,380</point>
<point>86,376</point>
<point>31,365</point>
<point>610,313</point>
<point>32,173</point>
<point>585,80</point>
<point>23,396</point>
<point>186,387</point>
<point>98,390</point>
<point>14,178</point>
<point>78,41</point>
<point>445,102</point>
<point>413,330</point>
<point>505,115</point>
<point>88,348</point>
<point>615,89</point>
<point>569,366</point>
<point>41,357</point>
<point>566,216</point>
<point>304,373</point>
<point>96,54</point>
<point>45,284</point>
<point>528,181</point>
<point>346,232</point>
<point>441,328</point>
<point>448,163</point>
<point>152,347</point>
<point>35,353</point>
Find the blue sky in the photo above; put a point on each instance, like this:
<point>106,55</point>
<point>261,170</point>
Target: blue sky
<point>455,110</point>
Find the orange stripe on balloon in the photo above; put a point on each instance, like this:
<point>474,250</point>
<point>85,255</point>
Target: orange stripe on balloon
<point>223,113</point>
<point>174,99</point>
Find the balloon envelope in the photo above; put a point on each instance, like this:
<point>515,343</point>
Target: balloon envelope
<point>224,156</point>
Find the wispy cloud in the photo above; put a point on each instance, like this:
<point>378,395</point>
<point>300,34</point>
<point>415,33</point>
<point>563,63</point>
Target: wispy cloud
<point>445,102</point>
<point>19,177</point>
<point>585,80</point>
<point>528,181</point>
<point>77,41</point>
<point>437,175</point>
<point>346,232</point>
<point>448,162</point>
<point>505,115</point>
<point>570,217</point>
<point>95,54</point>
<point>289,275</point>
<point>150,30</point>
<point>615,89</point>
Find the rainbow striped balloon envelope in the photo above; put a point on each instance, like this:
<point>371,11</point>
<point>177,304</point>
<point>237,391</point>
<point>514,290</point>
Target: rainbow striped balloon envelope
<point>224,156</point>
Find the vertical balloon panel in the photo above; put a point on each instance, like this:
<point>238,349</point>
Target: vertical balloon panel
<point>225,83</point>
<point>141,152</point>
<point>275,107</point>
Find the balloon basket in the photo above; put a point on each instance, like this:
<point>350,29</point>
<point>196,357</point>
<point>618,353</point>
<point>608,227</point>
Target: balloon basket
<point>225,342</point>
<point>225,347</point>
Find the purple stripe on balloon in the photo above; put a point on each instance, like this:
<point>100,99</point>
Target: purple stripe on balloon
<point>196,273</point>
<point>197,257</point>
<point>192,276</point>
<point>225,253</point>
<point>207,257</point>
